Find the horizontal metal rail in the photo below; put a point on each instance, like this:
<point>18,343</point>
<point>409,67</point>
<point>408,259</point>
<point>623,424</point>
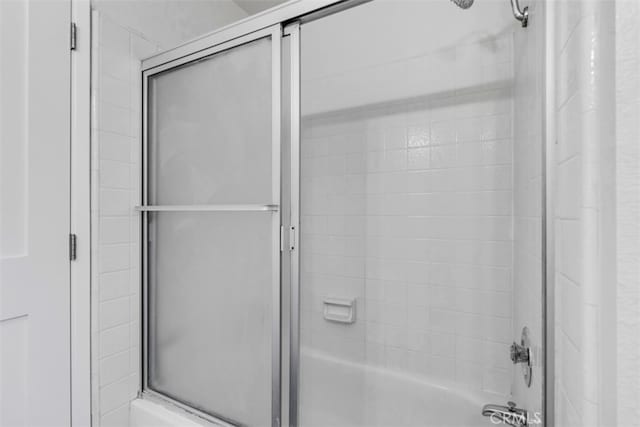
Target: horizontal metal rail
<point>208,208</point>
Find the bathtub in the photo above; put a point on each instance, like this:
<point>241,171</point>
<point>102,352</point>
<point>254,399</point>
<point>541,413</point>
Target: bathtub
<point>335,392</point>
<point>151,413</point>
<point>338,393</point>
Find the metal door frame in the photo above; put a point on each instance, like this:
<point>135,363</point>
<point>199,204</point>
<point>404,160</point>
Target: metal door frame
<point>274,33</point>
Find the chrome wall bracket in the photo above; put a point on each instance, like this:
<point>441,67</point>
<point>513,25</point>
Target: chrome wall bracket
<point>521,353</point>
<point>521,15</point>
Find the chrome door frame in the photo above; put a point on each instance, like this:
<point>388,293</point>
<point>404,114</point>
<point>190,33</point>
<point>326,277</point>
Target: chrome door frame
<point>274,33</point>
<point>292,31</point>
<point>548,132</point>
<point>286,13</point>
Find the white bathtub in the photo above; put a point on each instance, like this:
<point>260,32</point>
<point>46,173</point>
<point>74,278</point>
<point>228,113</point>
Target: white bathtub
<point>338,393</point>
<point>335,392</point>
<point>149,413</point>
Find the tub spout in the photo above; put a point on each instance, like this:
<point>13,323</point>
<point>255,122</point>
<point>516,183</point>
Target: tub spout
<point>509,414</point>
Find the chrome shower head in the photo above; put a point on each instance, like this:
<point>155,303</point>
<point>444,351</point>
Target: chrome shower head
<point>463,4</point>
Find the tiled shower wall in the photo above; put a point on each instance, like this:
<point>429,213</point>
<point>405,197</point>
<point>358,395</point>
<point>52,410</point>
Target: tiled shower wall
<point>407,207</point>
<point>116,185</point>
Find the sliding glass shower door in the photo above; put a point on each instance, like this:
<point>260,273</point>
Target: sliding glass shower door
<point>212,229</point>
<point>410,246</point>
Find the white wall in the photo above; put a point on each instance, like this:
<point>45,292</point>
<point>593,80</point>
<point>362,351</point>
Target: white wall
<point>124,32</point>
<point>407,189</point>
<point>170,22</point>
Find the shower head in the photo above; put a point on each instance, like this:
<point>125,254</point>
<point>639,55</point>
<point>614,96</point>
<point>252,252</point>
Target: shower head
<point>463,4</point>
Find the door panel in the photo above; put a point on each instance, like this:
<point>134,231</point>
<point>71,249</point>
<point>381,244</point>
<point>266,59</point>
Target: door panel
<point>34,213</point>
<point>210,337</point>
<point>212,248</point>
<point>210,129</point>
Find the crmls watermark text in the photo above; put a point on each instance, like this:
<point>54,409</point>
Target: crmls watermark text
<point>517,419</point>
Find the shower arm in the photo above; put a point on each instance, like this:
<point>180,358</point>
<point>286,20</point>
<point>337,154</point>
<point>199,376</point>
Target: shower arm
<point>520,15</point>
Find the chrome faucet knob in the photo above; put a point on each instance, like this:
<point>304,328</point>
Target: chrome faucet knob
<point>511,405</point>
<point>519,353</point>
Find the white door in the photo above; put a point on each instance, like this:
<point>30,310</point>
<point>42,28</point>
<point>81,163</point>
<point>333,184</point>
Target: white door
<point>34,213</point>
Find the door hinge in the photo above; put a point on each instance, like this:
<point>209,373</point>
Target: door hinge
<point>73,36</point>
<point>73,247</point>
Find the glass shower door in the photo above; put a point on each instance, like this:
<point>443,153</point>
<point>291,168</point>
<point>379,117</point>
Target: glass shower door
<point>212,228</point>
<point>419,215</point>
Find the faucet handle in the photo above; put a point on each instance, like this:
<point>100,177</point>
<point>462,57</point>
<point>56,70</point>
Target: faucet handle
<point>511,405</point>
<point>520,354</point>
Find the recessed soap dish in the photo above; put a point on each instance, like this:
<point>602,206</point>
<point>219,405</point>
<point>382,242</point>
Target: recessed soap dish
<point>340,310</point>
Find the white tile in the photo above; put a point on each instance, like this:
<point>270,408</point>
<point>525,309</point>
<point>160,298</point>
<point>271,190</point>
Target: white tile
<point>374,289</point>
<point>117,418</point>
<point>114,285</point>
<point>442,157</point>
<point>114,257</point>
<point>114,146</point>
<point>375,354</point>
<point>443,345</point>
<point>142,48</point>
<point>375,333</point>
<point>395,138</point>
<point>470,154</point>
<point>395,336</point>
<point>442,368</point>
<point>418,317</point>
<point>469,375</point>
<point>114,395</point>
<point>418,136</point>
<point>114,368</point>
<point>571,316</point>
<point>112,36</point>
<point>114,119</point>
<point>394,314</point>
<point>496,381</point>
<point>396,358</point>
<point>418,362</point>
<point>115,202</point>
<point>114,91</point>
<point>114,63</point>
<point>418,158</point>
<point>114,313</point>
<point>443,321</point>
<point>498,152</point>
<point>568,198</point>
<point>418,340</point>
<point>114,340</point>
<point>443,132</point>
<point>114,230</point>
